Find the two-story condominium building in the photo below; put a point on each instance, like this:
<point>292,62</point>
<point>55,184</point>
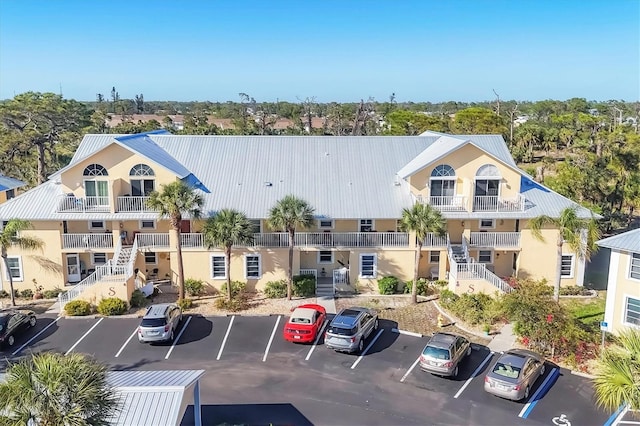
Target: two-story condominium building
<point>622,309</point>
<point>100,236</point>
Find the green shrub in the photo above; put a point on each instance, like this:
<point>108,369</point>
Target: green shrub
<point>471,307</point>
<point>276,289</point>
<point>27,293</point>
<point>388,285</point>
<point>234,305</point>
<point>304,285</point>
<point>237,287</point>
<point>137,299</point>
<point>442,284</point>
<point>185,304</point>
<point>573,290</point>
<point>423,287</point>
<point>194,287</point>
<point>52,294</point>
<point>77,308</point>
<point>447,298</point>
<point>4,294</point>
<point>112,306</point>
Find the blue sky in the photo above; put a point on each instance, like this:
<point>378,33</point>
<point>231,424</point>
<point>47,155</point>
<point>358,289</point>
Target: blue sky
<point>333,50</point>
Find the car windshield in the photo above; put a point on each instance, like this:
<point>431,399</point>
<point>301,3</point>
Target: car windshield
<point>153,322</point>
<point>437,353</point>
<point>295,320</point>
<point>505,370</point>
<point>342,331</point>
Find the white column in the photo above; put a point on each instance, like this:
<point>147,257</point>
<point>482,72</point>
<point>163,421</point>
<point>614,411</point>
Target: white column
<point>197,408</point>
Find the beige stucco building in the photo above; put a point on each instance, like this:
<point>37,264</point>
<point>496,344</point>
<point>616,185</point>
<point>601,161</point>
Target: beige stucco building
<point>622,308</point>
<point>101,239</point>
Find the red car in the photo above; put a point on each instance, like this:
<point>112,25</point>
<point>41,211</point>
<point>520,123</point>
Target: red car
<point>305,323</point>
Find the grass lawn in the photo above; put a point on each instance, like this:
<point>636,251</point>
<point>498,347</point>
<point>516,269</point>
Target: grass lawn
<point>589,312</point>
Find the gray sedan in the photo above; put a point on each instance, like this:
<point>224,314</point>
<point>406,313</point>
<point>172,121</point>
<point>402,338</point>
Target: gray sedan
<point>514,374</point>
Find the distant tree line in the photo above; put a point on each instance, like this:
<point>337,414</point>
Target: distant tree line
<point>588,151</point>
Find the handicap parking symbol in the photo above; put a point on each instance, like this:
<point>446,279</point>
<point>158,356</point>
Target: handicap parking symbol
<point>561,421</point>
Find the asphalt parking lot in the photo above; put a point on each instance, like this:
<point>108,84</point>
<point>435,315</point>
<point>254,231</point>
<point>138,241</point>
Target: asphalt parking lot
<point>248,362</point>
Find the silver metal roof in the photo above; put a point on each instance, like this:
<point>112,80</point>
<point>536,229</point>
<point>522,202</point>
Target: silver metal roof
<point>150,397</point>
<point>627,241</point>
<point>341,177</point>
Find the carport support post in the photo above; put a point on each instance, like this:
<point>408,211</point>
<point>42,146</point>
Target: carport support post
<point>197,409</point>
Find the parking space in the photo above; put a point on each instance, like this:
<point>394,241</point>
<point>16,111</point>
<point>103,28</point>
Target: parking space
<point>104,341</point>
<point>58,335</point>
<point>45,326</point>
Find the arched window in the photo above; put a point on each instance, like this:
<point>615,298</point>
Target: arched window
<point>141,170</point>
<point>95,170</point>
<point>443,170</point>
<point>488,171</point>
<point>144,184</point>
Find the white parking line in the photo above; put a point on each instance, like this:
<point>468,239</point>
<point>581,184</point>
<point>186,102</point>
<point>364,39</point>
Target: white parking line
<point>273,333</point>
<point>175,341</point>
<point>410,370</point>
<point>367,349</point>
<point>475,373</point>
<point>534,399</point>
<point>34,337</point>
<point>83,336</point>
<point>224,341</point>
<point>317,340</point>
<point>127,342</point>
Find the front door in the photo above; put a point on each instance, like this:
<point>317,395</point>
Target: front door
<point>185,226</point>
<point>73,268</point>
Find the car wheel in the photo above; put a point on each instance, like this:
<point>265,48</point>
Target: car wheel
<point>11,340</point>
<point>469,350</point>
<point>375,325</point>
<point>526,392</point>
<point>542,370</point>
<point>455,372</point>
<point>360,346</point>
<point>32,321</point>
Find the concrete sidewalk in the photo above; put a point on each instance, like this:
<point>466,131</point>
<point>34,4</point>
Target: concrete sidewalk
<point>503,340</point>
<point>328,303</point>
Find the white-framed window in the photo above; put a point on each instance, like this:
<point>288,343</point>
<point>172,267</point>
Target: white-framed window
<point>142,187</point>
<point>325,256</point>
<point>366,225</point>
<point>434,257</point>
<point>218,267</point>
<point>631,311</point>
<point>147,224</point>
<point>368,265</point>
<point>487,223</point>
<point>150,258</point>
<point>634,266</point>
<point>485,256</point>
<point>325,224</point>
<point>252,266</point>
<point>15,268</point>
<point>98,258</point>
<point>97,224</point>
<point>566,267</point>
<point>257,225</point>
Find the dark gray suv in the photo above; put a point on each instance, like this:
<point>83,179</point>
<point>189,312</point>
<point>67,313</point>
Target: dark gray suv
<point>349,328</point>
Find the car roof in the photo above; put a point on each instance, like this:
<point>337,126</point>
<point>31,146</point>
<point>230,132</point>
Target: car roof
<point>513,358</point>
<point>348,316</point>
<point>306,313</point>
<point>157,311</point>
<point>442,340</point>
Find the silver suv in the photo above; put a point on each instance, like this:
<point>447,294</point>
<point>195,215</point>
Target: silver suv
<point>160,323</point>
<point>443,353</point>
<point>349,328</point>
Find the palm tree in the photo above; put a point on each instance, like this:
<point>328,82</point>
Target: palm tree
<point>49,389</point>
<point>224,229</point>
<point>617,380</point>
<point>570,230</point>
<point>9,236</point>
<point>174,200</point>
<point>421,219</point>
<point>289,214</point>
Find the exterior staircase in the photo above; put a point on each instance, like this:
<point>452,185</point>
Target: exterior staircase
<point>324,287</point>
<point>459,254</point>
<point>463,267</point>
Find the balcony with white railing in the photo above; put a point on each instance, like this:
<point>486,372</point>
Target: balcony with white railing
<point>495,239</point>
<point>192,240</point>
<point>494,203</point>
<point>152,241</point>
<point>334,239</point>
<point>69,203</point>
<point>434,240</point>
<point>87,241</point>
<point>445,203</point>
<point>132,204</point>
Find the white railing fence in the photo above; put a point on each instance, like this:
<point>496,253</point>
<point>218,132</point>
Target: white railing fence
<point>313,272</point>
<point>152,240</point>
<point>340,276</point>
<point>480,271</point>
<point>133,204</point>
<point>192,240</point>
<point>71,203</point>
<point>495,239</point>
<point>87,241</point>
<point>434,240</point>
<point>493,203</point>
<point>465,248</point>
<point>103,273</point>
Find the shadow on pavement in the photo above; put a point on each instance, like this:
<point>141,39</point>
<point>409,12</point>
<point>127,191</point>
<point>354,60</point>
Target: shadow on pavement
<point>248,414</point>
